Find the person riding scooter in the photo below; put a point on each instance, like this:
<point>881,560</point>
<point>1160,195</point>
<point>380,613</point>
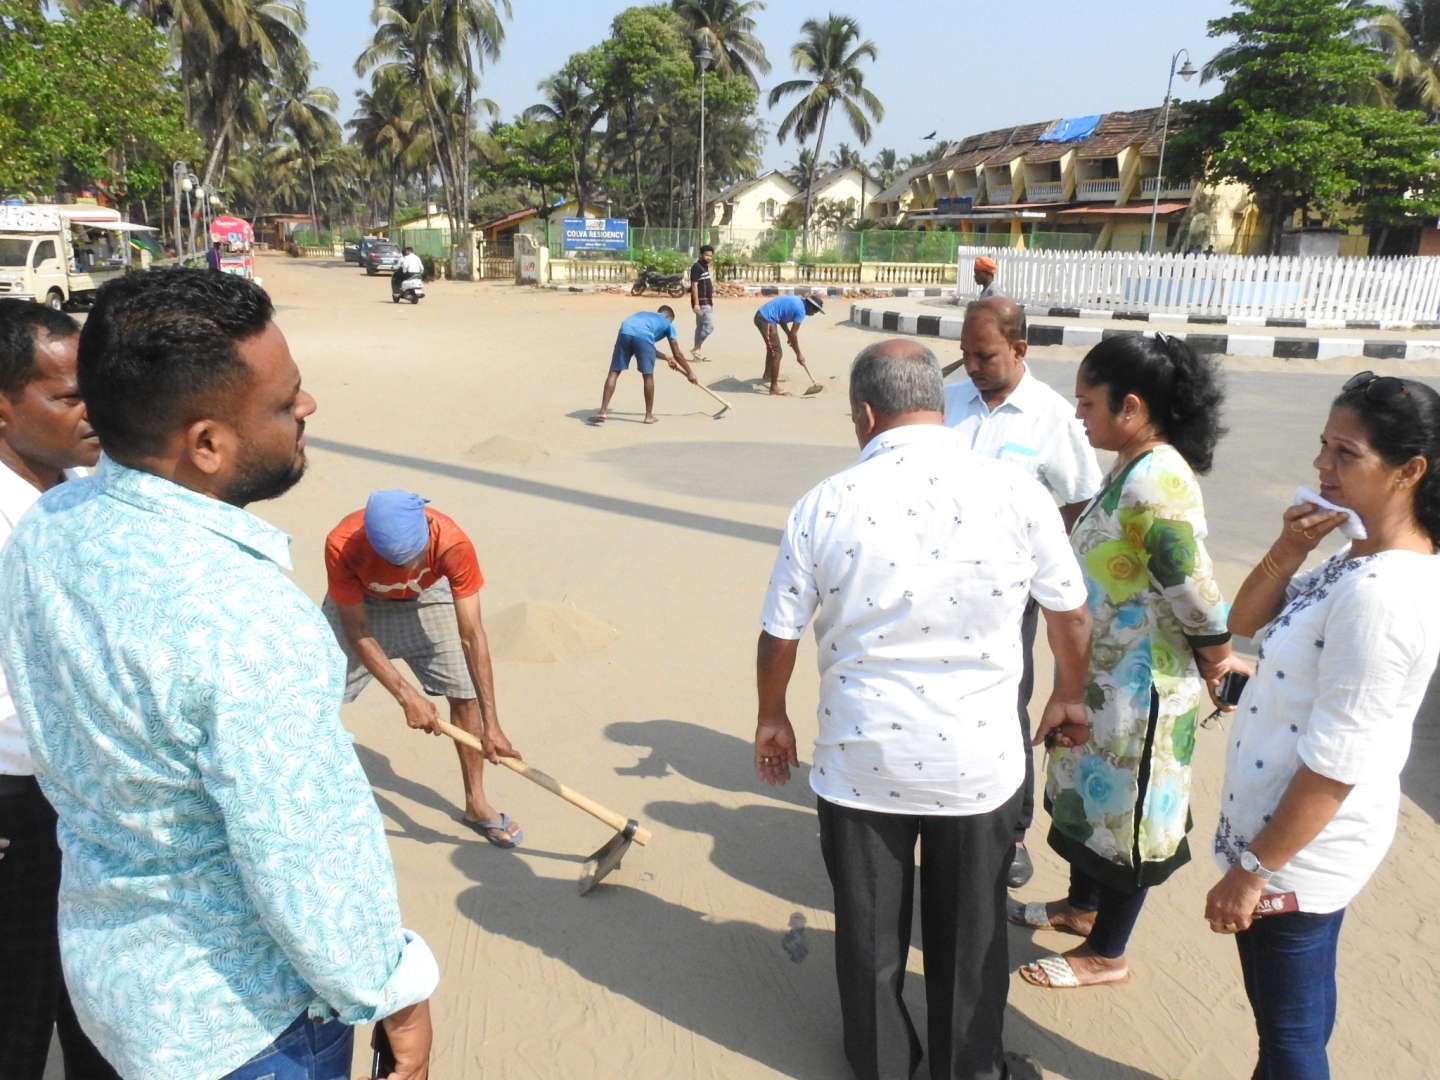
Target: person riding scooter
<point>408,277</point>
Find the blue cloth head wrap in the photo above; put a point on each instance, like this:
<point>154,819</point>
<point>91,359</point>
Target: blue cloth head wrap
<point>396,526</point>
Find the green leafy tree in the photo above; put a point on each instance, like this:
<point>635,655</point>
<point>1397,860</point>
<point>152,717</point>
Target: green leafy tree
<point>828,56</point>
<point>87,98</point>
<point>1288,125</point>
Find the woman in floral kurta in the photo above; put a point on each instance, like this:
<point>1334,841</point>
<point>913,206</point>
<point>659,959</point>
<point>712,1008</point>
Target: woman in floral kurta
<point>1120,802</point>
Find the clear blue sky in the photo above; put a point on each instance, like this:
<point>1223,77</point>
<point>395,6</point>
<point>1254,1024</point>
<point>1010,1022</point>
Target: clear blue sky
<point>958,67</point>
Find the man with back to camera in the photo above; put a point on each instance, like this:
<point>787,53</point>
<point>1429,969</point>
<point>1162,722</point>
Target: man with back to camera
<point>228,909</point>
<point>916,564</point>
<point>45,440</point>
<point>702,299</point>
<point>410,265</point>
<point>404,584</point>
<point>1003,411</point>
<point>783,313</point>
<point>639,334</point>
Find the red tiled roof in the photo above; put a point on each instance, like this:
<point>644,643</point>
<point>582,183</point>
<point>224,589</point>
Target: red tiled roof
<point>1140,208</point>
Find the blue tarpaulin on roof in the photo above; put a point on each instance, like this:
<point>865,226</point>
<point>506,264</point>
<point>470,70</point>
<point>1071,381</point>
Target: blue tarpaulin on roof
<point>1070,130</point>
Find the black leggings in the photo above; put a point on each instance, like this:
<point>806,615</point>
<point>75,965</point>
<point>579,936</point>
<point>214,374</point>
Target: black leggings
<point>1115,912</point>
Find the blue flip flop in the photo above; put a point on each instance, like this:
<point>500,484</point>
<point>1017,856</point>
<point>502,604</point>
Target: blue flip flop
<point>484,827</point>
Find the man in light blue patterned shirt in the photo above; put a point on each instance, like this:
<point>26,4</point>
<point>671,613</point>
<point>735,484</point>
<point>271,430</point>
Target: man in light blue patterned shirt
<point>228,908</point>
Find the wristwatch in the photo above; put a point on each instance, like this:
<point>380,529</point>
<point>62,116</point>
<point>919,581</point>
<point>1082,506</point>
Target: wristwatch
<point>1250,864</point>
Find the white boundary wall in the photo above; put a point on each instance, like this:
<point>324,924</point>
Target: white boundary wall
<point>1272,287</point>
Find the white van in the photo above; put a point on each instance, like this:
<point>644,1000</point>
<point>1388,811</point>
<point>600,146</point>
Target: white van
<point>56,255</point>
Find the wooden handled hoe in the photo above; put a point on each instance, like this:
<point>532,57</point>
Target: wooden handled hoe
<point>627,830</point>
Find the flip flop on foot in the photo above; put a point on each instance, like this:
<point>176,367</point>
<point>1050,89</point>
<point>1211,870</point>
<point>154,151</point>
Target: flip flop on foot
<point>1036,916</point>
<point>507,839</point>
<point>1055,973</point>
<point>598,418</point>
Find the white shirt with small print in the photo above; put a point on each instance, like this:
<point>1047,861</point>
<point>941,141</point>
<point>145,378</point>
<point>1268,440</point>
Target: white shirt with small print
<point>916,564</point>
<point>1034,428</point>
<point>17,495</point>
<point>1342,672</point>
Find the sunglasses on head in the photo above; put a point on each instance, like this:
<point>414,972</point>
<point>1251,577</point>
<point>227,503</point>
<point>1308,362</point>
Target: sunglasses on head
<point>1381,388</point>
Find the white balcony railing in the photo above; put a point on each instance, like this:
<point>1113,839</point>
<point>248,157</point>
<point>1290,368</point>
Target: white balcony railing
<point>1045,191</point>
<point>1000,194</point>
<point>1172,188</point>
<point>1099,189</point>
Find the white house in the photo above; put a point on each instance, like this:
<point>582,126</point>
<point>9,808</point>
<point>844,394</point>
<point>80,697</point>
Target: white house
<point>850,186</point>
<point>753,204</point>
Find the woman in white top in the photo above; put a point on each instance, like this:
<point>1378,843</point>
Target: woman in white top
<point>1312,775</point>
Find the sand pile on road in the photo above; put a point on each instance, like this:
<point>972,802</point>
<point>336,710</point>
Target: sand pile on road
<point>503,450</point>
<point>542,633</point>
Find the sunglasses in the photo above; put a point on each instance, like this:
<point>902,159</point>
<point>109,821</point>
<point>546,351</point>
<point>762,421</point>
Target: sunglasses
<point>1379,388</point>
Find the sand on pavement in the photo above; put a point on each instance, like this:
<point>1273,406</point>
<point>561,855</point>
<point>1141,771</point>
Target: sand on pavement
<point>625,566</point>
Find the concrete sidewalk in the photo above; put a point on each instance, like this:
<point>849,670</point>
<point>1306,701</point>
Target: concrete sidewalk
<point>943,320</point>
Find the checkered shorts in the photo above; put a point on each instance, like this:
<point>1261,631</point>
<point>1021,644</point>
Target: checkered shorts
<point>422,632</point>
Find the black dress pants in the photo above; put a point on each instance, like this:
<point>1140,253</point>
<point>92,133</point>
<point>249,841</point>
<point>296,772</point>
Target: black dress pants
<point>870,857</point>
<point>33,999</point>
<point>1029,626</point>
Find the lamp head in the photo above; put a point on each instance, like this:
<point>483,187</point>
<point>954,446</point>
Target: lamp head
<point>703,56</point>
<point>1189,71</point>
<point>187,184</point>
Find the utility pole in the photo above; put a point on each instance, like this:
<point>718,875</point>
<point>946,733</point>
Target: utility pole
<point>1185,73</point>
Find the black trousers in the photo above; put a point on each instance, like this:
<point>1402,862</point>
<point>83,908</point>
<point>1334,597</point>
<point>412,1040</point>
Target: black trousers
<point>870,857</point>
<point>1029,626</point>
<point>33,999</point>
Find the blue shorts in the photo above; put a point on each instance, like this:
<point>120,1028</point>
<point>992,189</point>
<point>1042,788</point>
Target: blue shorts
<point>642,349</point>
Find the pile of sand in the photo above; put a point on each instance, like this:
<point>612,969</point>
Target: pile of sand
<point>542,633</point>
<point>503,450</point>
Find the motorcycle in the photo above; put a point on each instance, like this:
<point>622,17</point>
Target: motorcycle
<point>669,284</point>
<point>410,288</point>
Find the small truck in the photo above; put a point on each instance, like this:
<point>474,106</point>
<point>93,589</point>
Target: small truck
<point>60,255</point>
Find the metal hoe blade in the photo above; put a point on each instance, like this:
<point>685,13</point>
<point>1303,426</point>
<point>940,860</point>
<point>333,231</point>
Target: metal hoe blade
<point>607,859</point>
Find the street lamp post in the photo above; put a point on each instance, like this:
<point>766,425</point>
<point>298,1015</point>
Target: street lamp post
<point>1185,73</point>
<point>703,57</point>
<point>178,171</point>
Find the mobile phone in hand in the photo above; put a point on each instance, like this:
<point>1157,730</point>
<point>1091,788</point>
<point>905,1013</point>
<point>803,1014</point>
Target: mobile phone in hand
<point>382,1062</point>
<point>1231,686</point>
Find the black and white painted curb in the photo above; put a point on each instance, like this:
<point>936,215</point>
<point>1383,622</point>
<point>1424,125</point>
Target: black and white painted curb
<point>1225,320</point>
<point>1285,348</point>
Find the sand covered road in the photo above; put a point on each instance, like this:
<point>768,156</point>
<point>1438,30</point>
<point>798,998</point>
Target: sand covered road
<point>710,955</point>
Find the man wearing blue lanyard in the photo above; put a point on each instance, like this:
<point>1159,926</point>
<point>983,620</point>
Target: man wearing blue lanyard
<point>1005,412</point>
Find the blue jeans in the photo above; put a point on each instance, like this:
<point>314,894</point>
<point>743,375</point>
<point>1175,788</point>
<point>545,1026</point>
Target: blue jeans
<point>1289,966</point>
<point>306,1050</point>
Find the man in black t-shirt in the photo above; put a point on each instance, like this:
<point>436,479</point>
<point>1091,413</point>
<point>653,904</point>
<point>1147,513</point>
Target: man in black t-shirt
<point>702,299</point>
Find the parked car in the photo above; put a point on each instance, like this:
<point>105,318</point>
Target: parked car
<point>352,251</point>
<point>382,257</point>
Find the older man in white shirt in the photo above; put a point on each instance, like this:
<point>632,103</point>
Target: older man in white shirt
<point>916,564</point>
<point>44,441</point>
<point>1003,411</point>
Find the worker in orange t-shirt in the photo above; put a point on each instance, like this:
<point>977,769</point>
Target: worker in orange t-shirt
<point>404,584</point>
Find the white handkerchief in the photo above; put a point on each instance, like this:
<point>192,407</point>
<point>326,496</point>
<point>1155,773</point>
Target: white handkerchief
<point>1352,528</point>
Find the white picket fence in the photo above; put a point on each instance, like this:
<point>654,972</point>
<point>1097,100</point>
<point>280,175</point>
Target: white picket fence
<point>1272,287</point>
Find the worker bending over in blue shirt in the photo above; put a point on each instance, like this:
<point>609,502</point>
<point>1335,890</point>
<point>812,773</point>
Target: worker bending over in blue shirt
<point>786,312</point>
<point>637,339</point>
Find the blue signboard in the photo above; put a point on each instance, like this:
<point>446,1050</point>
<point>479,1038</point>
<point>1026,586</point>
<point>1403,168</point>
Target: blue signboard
<point>596,234</point>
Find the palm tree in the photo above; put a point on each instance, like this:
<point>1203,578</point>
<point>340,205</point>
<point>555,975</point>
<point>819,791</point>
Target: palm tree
<point>225,50</point>
<point>727,29</point>
<point>886,167</point>
<point>306,114</point>
<point>845,155</point>
<point>799,171</point>
<point>828,54</point>
<point>1409,36</point>
<point>386,126</point>
<point>573,108</point>
<point>441,46</point>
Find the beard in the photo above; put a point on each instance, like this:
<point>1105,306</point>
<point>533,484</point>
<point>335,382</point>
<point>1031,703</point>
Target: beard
<point>258,478</point>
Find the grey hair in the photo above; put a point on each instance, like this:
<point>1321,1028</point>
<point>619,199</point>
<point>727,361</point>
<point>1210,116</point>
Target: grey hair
<point>897,376</point>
